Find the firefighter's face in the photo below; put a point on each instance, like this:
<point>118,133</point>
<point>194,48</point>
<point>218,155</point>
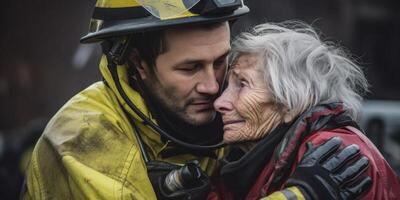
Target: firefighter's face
<point>188,76</point>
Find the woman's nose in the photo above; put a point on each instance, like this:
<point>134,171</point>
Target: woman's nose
<point>223,103</point>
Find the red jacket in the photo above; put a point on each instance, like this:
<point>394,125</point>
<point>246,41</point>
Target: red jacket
<point>385,182</point>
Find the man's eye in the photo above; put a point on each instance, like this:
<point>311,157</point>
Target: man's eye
<point>189,68</point>
<point>220,63</point>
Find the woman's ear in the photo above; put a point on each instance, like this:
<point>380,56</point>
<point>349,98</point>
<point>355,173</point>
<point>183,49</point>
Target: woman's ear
<point>288,115</point>
<point>140,65</point>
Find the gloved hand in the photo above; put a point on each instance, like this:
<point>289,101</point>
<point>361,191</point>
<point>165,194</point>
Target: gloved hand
<point>178,182</point>
<point>326,172</point>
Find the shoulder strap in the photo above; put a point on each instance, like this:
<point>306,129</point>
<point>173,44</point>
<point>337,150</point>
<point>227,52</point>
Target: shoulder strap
<point>138,137</point>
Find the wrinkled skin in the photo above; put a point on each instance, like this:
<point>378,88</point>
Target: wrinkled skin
<point>187,77</point>
<point>246,105</point>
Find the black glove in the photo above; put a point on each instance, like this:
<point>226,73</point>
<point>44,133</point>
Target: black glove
<point>326,172</point>
<point>178,182</point>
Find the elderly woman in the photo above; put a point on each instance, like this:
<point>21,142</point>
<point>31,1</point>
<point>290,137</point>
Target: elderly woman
<point>287,93</point>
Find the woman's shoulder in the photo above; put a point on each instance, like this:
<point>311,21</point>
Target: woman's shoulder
<point>349,135</point>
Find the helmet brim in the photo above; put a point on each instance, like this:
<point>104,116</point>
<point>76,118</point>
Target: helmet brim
<point>126,27</point>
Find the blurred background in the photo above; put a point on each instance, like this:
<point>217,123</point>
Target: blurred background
<point>42,65</point>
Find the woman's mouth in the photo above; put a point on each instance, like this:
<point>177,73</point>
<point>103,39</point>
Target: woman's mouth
<point>233,122</point>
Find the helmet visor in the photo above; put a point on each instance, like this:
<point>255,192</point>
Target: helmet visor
<point>168,9</point>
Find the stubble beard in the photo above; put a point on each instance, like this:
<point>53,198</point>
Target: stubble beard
<point>170,104</point>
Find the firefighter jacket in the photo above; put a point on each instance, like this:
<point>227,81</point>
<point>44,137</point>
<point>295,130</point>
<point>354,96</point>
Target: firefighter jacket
<point>89,150</point>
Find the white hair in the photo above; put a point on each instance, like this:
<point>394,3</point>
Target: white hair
<point>300,69</point>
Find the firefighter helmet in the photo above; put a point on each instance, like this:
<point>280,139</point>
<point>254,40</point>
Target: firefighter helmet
<point>113,18</point>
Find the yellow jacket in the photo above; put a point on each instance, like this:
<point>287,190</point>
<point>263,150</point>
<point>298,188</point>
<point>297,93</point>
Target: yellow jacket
<point>89,151</point>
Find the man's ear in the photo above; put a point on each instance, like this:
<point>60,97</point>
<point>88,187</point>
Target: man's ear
<point>141,66</point>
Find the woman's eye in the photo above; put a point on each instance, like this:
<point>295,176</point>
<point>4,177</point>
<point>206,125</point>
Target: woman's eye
<point>243,83</point>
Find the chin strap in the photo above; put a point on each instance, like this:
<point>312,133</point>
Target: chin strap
<point>112,67</point>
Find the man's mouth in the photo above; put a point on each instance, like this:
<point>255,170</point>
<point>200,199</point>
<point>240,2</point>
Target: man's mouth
<point>201,102</point>
<point>202,105</point>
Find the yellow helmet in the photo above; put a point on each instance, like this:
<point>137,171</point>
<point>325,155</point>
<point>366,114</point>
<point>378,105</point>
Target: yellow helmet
<point>113,18</point>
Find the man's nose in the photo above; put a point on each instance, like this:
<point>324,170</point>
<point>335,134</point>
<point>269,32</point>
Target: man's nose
<point>208,83</point>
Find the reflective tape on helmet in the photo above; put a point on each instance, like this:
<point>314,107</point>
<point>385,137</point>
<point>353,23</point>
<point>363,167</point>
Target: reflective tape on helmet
<point>116,3</point>
<point>169,9</point>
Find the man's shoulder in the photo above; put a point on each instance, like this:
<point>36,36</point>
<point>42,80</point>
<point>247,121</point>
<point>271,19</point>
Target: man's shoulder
<point>90,115</point>
<point>96,94</point>
<point>95,99</point>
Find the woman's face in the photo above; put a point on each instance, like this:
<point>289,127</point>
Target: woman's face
<point>247,107</point>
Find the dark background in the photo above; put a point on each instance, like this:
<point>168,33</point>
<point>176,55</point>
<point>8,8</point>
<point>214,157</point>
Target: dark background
<point>43,65</point>
<point>39,39</point>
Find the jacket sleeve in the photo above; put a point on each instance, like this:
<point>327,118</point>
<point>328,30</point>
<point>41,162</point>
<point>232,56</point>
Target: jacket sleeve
<point>219,191</point>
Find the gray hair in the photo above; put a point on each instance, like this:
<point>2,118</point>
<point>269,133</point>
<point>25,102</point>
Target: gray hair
<point>300,69</point>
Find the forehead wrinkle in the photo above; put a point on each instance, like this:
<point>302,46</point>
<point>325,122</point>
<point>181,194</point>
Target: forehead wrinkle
<point>233,72</point>
<point>246,73</point>
<point>246,61</point>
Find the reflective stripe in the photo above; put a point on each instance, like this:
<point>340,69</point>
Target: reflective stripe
<point>275,196</point>
<point>116,3</point>
<point>125,9</point>
<point>289,194</point>
<point>296,192</point>
<point>169,9</point>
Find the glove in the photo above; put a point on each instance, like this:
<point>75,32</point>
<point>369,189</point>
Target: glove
<point>327,172</point>
<point>178,182</point>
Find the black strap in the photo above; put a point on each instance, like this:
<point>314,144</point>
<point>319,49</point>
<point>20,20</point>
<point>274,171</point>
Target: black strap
<point>341,121</point>
<point>138,137</point>
<point>120,13</point>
